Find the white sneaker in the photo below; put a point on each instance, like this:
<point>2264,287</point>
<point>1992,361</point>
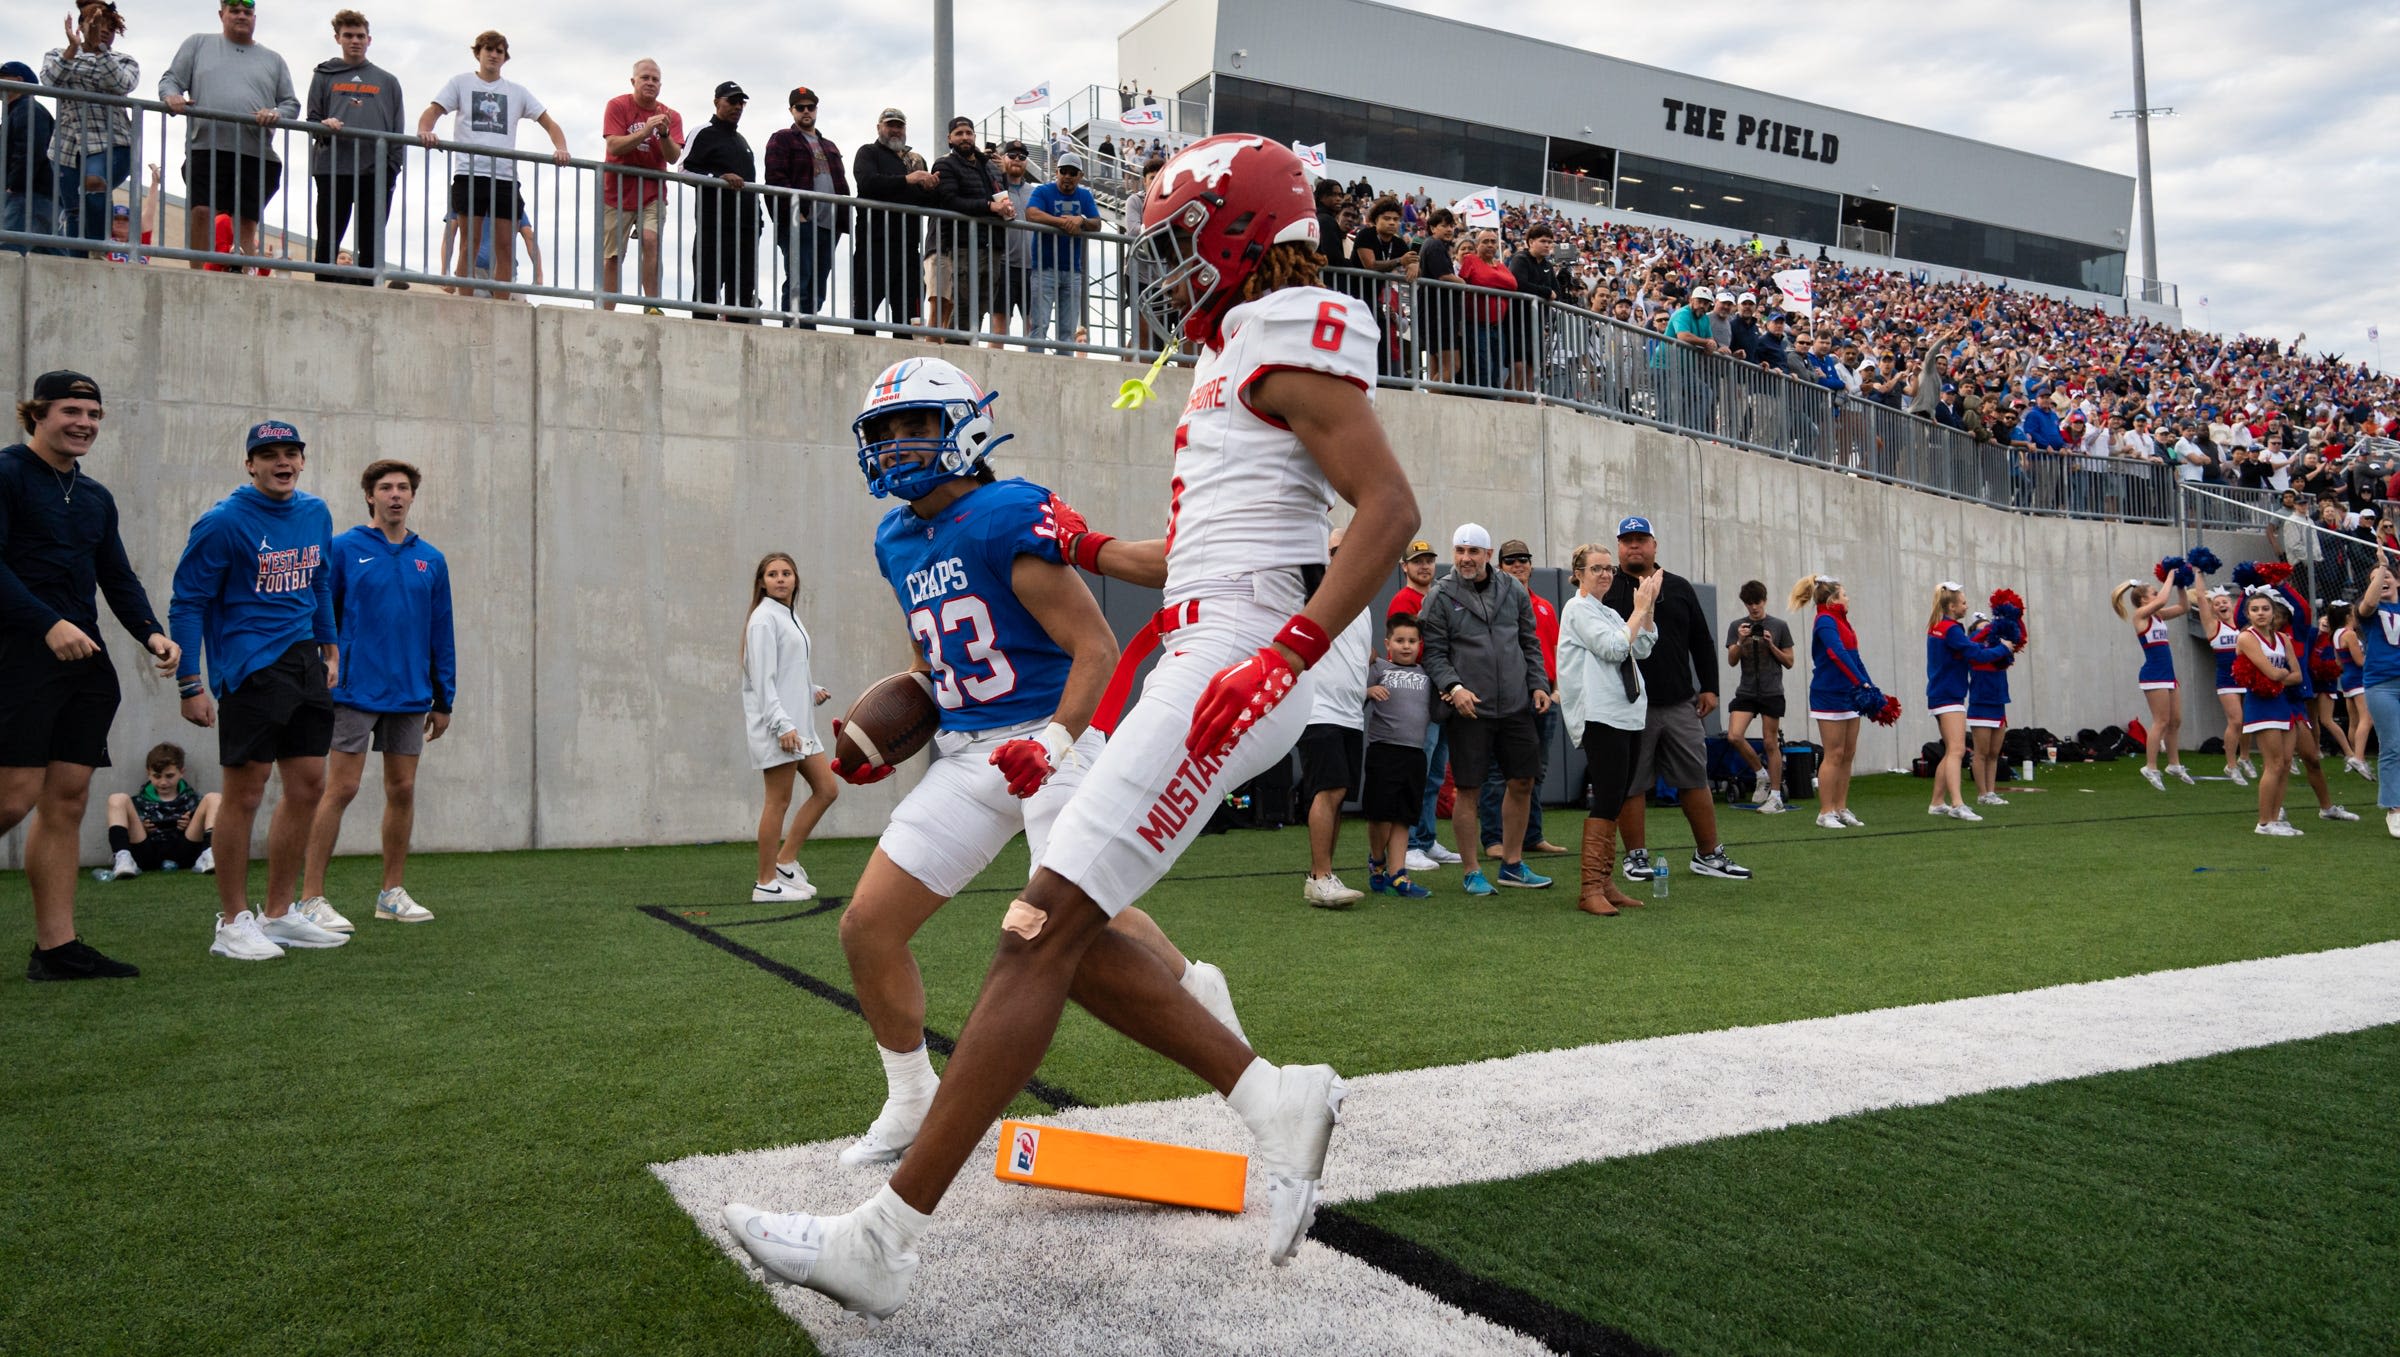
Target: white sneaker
<point>295,929</point>
<point>1963,813</point>
<point>1773,805</point>
<point>1829,820</point>
<point>398,906</point>
<point>1292,1134</point>
<point>2235,771</point>
<point>1851,820</point>
<point>2391,822</point>
<point>778,891</point>
<point>2157,783</point>
<point>2249,767</point>
<point>1938,808</point>
<point>2358,766</point>
<point>207,863</point>
<point>241,940</point>
<point>2296,766</point>
<point>1991,799</point>
<point>893,1131</point>
<point>1442,855</point>
<point>2181,774</point>
<point>1418,862</point>
<point>124,865</point>
<point>1207,984</point>
<point>320,911</point>
<point>2337,813</point>
<point>2278,829</point>
<point>1328,892</point>
<point>844,1257</point>
<point>796,876</point>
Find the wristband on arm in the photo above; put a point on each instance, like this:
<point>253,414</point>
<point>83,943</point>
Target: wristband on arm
<point>1305,639</point>
<point>1082,549</point>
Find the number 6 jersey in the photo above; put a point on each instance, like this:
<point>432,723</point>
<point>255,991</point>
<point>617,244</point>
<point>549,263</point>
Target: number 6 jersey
<point>993,664</point>
<point>1246,496</point>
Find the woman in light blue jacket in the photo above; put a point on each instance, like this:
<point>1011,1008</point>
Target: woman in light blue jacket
<point>1606,704</point>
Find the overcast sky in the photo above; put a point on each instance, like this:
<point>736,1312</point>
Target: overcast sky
<point>2278,184</point>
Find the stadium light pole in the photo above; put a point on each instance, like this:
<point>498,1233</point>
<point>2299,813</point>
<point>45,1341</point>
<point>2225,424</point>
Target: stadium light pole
<point>2141,113</point>
<point>945,48</point>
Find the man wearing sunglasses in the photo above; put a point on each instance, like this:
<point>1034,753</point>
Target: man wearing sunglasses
<point>1070,212</point>
<point>806,230</point>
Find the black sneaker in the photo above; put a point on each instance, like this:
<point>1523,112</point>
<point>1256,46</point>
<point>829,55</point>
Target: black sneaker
<point>1716,864</point>
<point>76,960</point>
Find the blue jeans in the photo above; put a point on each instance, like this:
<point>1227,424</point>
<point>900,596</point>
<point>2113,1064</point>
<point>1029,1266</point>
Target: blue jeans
<point>86,214</point>
<point>807,269</point>
<point>2383,706</point>
<point>1487,801</point>
<point>27,212</point>
<point>1056,293</point>
<point>1437,761</point>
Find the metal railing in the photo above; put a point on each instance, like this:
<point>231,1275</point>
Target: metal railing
<point>2327,562</point>
<point>1589,190</point>
<point>1865,239</point>
<point>756,253</point>
<point>2153,291</point>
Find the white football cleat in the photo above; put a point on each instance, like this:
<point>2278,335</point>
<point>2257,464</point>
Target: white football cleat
<point>320,911</point>
<point>843,1257</point>
<point>1292,1134</point>
<point>893,1131</point>
<point>1207,984</point>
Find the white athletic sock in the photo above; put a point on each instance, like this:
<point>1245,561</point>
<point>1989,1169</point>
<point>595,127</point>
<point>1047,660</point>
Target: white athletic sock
<point>1253,1094</point>
<point>1183,975</point>
<point>893,1217</point>
<point>909,1074</point>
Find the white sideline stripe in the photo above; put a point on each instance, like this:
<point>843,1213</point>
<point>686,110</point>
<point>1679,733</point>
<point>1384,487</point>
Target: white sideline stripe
<point>1008,1269</point>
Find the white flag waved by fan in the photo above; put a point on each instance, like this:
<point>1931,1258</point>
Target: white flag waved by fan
<point>1148,115</point>
<point>1479,209</point>
<point>1311,156</point>
<point>1037,97</point>
<point>1799,294</point>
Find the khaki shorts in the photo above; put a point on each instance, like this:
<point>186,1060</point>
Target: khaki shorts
<point>980,277</point>
<point>618,223</point>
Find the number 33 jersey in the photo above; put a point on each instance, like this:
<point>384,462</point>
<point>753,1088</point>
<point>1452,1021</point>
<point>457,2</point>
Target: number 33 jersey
<point>993,664</point>
<point>1246,496</point>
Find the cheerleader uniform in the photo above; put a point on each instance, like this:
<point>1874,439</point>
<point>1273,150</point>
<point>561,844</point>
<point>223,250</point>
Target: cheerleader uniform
<point>2270,713</point>
<point>1836,672</point>
<point>2158,658</point>
<point>1987,686</point>
<point>2226,644</point>
<point>1949,652</point>
<point>2354,679</point>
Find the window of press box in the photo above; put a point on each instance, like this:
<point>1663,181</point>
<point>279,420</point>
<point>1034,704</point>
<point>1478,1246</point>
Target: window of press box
<point>1960,244</point>
<point>1734,202</point>
<point>1194,99</point>
<point>1400,140</point>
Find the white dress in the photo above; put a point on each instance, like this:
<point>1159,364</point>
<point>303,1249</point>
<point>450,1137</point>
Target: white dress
<point>778,693</point>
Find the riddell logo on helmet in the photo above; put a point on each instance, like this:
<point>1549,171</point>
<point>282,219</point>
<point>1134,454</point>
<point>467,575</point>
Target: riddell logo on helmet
<point>1029,1144</point>
<point>893,377</point>
<point>1207,162</point>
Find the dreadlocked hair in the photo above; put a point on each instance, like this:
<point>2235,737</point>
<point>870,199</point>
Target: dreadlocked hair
<point>1293,263</point>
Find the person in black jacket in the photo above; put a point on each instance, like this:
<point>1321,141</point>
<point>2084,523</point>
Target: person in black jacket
<point>884,250</point>
<point>725,220</point>
<point>1672,746</point>
<point>31,195</point>
<point>970,261</point>
<point>1536,277</point>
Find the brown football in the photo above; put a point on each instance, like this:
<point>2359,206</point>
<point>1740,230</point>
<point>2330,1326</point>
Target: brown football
<point>893,719</point>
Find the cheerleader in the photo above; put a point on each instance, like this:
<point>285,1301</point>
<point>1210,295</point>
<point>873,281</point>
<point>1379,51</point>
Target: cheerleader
<point>779,702</point>
<point>1949,650</point>
<point>2221,613</point>
<point>2378,629</point>
<point>1987,692</point>
<point>2301,753</point>
<point>2267,666</point>
<point>2150,609</point>
<point>2351,646</point>
<point>1839,693</point>
<point>2341,690</point>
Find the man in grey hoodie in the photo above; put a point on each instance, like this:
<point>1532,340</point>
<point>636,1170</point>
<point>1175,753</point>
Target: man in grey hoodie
<point>1484,659</point>
<point>229,167</point>
<point>351,93</point>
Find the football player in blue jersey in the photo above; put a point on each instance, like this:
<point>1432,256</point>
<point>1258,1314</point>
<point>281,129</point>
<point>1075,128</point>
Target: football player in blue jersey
<point>1019,656</point>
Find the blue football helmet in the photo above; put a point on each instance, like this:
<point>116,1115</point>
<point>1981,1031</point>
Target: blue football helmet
<point>967,436</point>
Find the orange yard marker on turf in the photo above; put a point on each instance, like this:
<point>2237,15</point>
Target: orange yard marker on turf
<point>1114,1166</point>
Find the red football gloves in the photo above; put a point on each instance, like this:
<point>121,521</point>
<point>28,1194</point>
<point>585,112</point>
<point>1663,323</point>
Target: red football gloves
<point>1241,695</point>
<point>1076,540</point>
<point>1028,763</point>
<point>856,774</point>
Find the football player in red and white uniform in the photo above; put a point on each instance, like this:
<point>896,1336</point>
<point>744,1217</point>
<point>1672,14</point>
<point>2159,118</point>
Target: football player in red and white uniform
<point>1280,423</point>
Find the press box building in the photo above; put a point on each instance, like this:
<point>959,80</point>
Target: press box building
<point>1415,98</point>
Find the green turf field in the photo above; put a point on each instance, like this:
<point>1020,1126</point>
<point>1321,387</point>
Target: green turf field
<point>437,1138</point>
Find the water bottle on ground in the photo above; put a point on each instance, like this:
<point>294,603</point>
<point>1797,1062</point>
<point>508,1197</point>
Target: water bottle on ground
<point>1658,881</point>
<point>103,874</point>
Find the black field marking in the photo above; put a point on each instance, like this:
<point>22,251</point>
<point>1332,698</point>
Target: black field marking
<point>1055,1098</point>
<point>832,902</point>
<point>1502,1304</point>
<point>1420,1267</point>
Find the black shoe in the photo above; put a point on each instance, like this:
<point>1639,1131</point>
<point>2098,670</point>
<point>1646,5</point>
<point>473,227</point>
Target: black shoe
<point>76,960</point>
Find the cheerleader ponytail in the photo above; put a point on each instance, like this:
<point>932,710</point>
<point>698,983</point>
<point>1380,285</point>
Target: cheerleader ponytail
<point>1814,590</point>
<point>2118,596</point>
<point>1945,594</point>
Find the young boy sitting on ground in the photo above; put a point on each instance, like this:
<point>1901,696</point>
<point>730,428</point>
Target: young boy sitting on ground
<point>166,821</point>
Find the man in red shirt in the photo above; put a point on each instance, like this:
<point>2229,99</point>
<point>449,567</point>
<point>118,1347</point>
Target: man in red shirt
<point>646,134</point>
<point>1517,559</point>
<point>1418,569</point>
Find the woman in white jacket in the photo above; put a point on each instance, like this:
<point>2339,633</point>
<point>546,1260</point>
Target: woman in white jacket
<point>1606,703</point>
<point>779,702</point>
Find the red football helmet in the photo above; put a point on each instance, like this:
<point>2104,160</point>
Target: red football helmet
<point>1210,216</point>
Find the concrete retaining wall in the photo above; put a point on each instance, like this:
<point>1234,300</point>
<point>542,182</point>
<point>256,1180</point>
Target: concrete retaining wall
<point>603,485</point>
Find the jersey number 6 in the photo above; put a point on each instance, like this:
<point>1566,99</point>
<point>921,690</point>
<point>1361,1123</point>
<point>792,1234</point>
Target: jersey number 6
<point>1333,321</point>
<point>950,688</point>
